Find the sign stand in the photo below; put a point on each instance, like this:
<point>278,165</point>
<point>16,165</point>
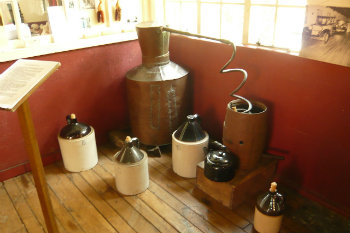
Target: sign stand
<point>16,84</point>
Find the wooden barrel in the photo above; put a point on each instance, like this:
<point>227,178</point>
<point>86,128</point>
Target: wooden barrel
<point>245,134</point>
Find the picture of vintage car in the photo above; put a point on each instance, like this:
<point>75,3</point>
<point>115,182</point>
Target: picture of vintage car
<point>322,29</point>
<point>341,26</point>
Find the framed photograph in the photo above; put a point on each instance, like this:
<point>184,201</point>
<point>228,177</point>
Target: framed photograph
<point>326,34</point>
<point>87,4</point>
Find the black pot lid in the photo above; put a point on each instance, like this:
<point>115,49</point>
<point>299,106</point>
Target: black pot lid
<point>74,129</point>
<point>218,156</point>
<point>271,203</point>
<point>130,152</point>
<point>190,130</point>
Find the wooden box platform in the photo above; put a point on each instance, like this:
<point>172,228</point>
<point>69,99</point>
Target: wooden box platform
<point>243,185</point>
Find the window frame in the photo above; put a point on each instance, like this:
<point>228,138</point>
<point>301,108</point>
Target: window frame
<point>42,45</point>
<point>247,4</point>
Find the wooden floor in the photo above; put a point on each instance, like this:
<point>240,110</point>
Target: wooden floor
<point>88,202</point>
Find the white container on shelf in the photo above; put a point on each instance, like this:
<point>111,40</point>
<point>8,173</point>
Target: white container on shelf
<point>186,156</point>
<point>188,143</point>
<point>78,145</point>
<point>131,168</point>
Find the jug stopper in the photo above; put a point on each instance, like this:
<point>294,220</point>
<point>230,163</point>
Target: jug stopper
<point>193,117</point>
<point>127,139</point>
<point>273,187</point>
<point>72,116</point>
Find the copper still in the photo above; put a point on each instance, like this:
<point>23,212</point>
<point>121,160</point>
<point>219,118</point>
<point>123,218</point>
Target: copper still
<point>158,92</point>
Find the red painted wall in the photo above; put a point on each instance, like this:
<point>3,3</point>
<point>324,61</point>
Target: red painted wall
<point>90,83</point>
<point>308,104</point>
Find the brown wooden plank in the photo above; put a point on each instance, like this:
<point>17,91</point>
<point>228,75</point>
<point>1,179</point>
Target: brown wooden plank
<point>183,182</point>
<point>154,217</point>
<point>174,218</point>
<point>23,209</point>
<point>9,219</point>
<point>31,144</point>
<point>85,214</point>
<point>99,178</point>
<point>136,202</point>
<point>249,228</point>
<point>182,209</point>
<point>190,187</point>
<point>178,206</point>
<point>246,210</point>
<point>65,221</point>
<point>190,201</point>
<point>100,204</point>
<point>177,221</point>
<point>186,198</point>
<point>187,184</point>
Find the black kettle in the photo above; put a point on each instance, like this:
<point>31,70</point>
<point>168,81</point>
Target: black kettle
<point>219,164</point>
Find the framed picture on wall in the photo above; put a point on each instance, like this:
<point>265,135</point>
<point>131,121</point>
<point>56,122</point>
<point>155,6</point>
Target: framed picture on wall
<point>326,34</point>
<point>87,4</point>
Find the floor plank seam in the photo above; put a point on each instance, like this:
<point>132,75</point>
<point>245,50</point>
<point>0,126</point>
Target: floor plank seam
<point>86,197</point>
<point>122,198</point>
<point>209,208</point>
<point>108,157</point>
<point>64,206</point>
<point>136,196</point>
<point>13,204</point>
<point>31,210</point>
<point>185,205</point>
<point>167,167</point>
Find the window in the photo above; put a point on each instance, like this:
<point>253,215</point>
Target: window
<point>36,27</point>
<point>275,23</point>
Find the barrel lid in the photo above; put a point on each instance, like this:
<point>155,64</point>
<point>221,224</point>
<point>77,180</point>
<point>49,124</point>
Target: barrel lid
<point>74,129</point>
<point>130,152</point>
<point>190,130</point>
<point>271,203</point>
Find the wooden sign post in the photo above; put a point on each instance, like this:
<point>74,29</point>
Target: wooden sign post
<point>17,83</point>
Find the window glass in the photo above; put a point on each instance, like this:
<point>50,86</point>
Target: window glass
<point>261,25</point>
<point>293,2</point>
<point>289,26</point>
<point>189,17</point>
<point>131,10</point>
<point>263,1</point>
<point>232,22</point>
<point>233,1</point>
<point>210,19</point>
<point>172,14</point>
<point>204,1</point>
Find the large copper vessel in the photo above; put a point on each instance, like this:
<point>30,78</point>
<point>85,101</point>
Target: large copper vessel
<point>157,91</point>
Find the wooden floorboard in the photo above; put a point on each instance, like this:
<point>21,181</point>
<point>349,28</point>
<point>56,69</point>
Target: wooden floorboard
<point>10,220</point>
<point>88,202</point>
<point>22,207</point>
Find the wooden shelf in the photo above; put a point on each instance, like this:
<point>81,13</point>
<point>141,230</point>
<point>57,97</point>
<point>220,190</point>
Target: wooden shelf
<point>242,186</point>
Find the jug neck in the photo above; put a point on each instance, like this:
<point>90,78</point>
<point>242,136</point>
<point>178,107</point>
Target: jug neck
<point>155,60</point>
<point>154,44</point>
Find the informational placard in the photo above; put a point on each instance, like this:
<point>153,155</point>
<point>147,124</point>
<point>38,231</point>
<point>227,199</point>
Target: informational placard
<point>21,79</point>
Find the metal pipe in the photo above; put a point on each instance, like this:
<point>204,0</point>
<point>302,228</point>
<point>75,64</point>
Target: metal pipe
<point>223,69</point>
